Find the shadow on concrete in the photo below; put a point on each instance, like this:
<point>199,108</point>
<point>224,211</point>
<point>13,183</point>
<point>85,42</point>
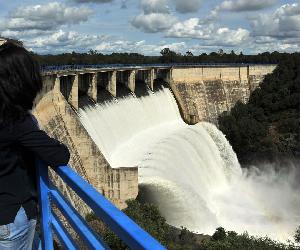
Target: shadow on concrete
<point>159,84</point>
<point>103,95</point>
<point>122,91</point>
<point>141,89</point>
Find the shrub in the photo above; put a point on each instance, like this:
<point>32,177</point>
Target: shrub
<point>297,235</point>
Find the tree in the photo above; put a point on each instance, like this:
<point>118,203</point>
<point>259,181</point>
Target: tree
<point>220,234</point>
<point>213,54</point>
<point>166,52</point>
<point>146,216</point>
<point>189,53</point>
<point>230,240</point>
<point>93,52</point>
<point>168,55</point>
<point>268,125</point>
<point>220,52</point>
<point>297,235</point>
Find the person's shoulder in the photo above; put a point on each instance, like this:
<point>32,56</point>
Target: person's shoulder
<point>9,130</point>
<point>28,122</point>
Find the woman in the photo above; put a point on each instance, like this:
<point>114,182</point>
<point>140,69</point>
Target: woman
<point>21,141</point>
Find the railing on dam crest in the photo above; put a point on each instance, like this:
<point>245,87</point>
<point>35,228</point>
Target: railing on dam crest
<point>118,222</point>
<point>73,67</point>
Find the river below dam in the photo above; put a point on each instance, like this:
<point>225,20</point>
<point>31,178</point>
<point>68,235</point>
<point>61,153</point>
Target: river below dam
<point>191,172</point>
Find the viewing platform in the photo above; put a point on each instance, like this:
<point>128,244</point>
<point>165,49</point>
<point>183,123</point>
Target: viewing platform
<point>132,235</point>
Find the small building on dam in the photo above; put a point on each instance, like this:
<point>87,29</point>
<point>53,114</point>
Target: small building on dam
<point>202,93</point>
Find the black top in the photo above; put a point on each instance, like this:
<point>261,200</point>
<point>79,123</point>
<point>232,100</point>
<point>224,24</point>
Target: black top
<point>19,144</point>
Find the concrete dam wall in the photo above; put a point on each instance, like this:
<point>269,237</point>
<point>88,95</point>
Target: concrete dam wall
<point>205,92</point>
<point>202,92</point>
<point>59,119</point>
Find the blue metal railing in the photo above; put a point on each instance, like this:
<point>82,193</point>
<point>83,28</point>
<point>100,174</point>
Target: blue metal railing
<point>97,66</point>
<point>166,65</point>
<point>117,221</point>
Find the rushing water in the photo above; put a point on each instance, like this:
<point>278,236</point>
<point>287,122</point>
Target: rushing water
<point>191,172</point>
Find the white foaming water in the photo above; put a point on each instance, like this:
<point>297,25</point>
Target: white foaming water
<point>191,172</point>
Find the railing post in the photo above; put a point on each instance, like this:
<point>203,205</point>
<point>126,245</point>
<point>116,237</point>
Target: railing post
<point>44,205</point>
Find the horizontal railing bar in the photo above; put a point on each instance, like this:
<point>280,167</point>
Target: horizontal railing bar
<point>63,236</point>
<point>76,221</point>
<point>163,65</point>
<point>135,237</point>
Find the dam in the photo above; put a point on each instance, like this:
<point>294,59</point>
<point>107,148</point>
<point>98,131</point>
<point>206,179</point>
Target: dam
<point>202,93</point>
<point>151,140</point>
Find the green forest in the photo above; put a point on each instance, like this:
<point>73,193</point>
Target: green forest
<point>268,126</point>
<point>166,56</point>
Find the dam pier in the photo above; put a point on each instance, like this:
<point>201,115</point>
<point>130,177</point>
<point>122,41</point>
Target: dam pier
<point>202,93</point>
<point>87,81</point>
<point>219,86</point>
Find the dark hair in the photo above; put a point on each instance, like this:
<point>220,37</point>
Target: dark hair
<point>20,82</point>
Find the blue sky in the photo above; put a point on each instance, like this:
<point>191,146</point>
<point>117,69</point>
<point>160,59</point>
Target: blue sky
<point>147,26</point>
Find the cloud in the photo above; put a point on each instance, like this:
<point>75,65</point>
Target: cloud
<point>123,4</point>
<point>155,17</point>
<point>260,45</point>
<point>190,28</point>
<point>153,22</point>
<point>211,34</point>
<point>68,41</point>
<point>283,23</point>
<point>93,1</point>
<point>154,6</point>
<point>161,6</point>
<point>49,27</point>
<point>41,27</point>
<point>138,47</point>
<point>64,41</point>
<point>44,17</point>
<point>245,5</point>
<point>187,6</point>
<point>25,34</point>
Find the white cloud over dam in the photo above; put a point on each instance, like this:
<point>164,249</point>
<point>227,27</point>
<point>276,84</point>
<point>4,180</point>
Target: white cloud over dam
<point>196,25</point>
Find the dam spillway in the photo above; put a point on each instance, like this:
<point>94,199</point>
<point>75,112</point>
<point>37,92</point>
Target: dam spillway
<point>190,171</point>
<point>202,91</point>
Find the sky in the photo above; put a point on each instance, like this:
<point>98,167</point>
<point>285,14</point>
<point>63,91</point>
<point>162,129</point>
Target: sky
<point>148,26</point>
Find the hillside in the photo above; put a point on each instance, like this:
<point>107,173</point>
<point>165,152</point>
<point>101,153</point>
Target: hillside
<point>268,127</point>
